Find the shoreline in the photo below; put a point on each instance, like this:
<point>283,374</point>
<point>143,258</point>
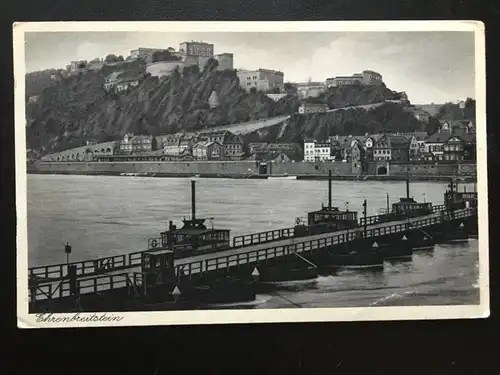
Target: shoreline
<point>428,178</point>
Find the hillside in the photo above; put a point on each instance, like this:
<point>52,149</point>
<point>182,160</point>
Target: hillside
<point>78,108</point>
<point>354,121</point>
<point>36,82</point>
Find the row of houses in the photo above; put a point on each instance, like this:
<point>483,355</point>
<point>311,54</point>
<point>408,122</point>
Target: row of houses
<point>220,145</point>
<point>454,140</point>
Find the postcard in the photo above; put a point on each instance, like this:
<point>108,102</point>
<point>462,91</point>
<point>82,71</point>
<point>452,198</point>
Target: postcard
<point>176,173</point>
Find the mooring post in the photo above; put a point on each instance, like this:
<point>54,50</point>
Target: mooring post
<point>67,250</point>
<point>329,188</point>
<point>193,200</point>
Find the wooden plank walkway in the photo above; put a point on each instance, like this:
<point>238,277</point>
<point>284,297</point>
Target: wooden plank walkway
<point>200,264</point>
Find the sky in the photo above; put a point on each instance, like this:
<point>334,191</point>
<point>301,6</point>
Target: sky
<point>431,67</point>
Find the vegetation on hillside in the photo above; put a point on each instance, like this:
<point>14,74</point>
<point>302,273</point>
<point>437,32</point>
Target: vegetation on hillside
<point>388,117</point>
<point>78,108</point>
<point>451,111</point>
<point>36,82</point>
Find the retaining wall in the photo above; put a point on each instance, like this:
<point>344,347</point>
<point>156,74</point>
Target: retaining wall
<point>247,168</point>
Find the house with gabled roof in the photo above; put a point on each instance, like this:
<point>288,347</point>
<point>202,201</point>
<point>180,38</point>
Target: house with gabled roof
<point>232,143</point>
<point>392,148</point>
<point>458,145</point>
<point>450,126</point>
<point>208,150</point>
<point>122,80</point>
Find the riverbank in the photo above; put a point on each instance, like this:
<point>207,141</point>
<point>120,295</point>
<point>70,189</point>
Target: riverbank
<point>422,178</point>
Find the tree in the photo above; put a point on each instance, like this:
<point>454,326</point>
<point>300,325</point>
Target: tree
<point>470,109</point>
<point>253,90</point>
<point>163,55</point>
<point>111,58</point>
<point>290,89</point>
<point>274,90</point>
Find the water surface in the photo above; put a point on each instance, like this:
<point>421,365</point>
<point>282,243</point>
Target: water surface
<point>107,215</point>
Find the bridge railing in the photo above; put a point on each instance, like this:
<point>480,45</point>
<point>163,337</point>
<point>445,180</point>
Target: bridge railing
<point>226,261</point>
<point>110,282</point>
<point>438,208</point>
<point>56,272</point>
<point>262,237</point>
<point>91,285</point>
<point>375,219</point>
<point>370,220</point>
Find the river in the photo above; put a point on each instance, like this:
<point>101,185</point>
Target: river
<point>101,216</point>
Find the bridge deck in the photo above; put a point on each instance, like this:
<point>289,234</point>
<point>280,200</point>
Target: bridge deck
<point>105,265</point>
<point>200,264</point>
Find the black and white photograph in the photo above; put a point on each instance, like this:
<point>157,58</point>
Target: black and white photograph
<point>225,172</point>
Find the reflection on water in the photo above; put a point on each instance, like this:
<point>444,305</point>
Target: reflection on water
<point>100,216</point>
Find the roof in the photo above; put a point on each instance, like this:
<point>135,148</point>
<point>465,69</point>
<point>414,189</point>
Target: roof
<point>375,137</point>
<point>393,141</point>
<point>273,155</point>
<point>141,137</point>
<point>443,137</point>
<point>343,139</point>
<point>205,144</point>
<point>306,104</point>
<point>458,123</point>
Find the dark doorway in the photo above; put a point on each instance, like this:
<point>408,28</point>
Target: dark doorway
<point>263,168</point>
<point>381,170</point>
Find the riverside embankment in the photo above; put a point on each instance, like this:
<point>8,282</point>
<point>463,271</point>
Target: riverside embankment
<point>253,169</point>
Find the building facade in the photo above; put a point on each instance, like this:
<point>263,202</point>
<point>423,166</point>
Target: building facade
<point>178,143</point>
<point>310,89</point>
<point>461,148</point>
<point>86,153</point>
<point>308,108</point>
<point>367,77</point>
<point>392,148</point>
<point>208,151</point>
<point>232,143</point>
<point>145,54</point>
<point>355,79</point>
<point>33,98</point>
<point>75,66</point>
<point>261,79</point>
<point>317,151</point>
<point>197,49</point>
<point>136,144</point>
<point>120,81</point>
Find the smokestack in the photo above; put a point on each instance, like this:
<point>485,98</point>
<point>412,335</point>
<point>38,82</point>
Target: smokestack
<point>330,188</point>
<point>407,182</point>
<point>193,200</point>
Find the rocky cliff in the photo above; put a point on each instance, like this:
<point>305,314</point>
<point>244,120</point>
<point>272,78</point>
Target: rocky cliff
<point>77,108</point>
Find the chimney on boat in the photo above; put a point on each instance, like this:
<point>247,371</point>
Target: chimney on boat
<point>169,233</point>
<point>193,200</point>
<point>330,189</point>
<point>407,182</point>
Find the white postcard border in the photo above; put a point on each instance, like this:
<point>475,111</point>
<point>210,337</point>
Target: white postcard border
<point>26,320</point>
